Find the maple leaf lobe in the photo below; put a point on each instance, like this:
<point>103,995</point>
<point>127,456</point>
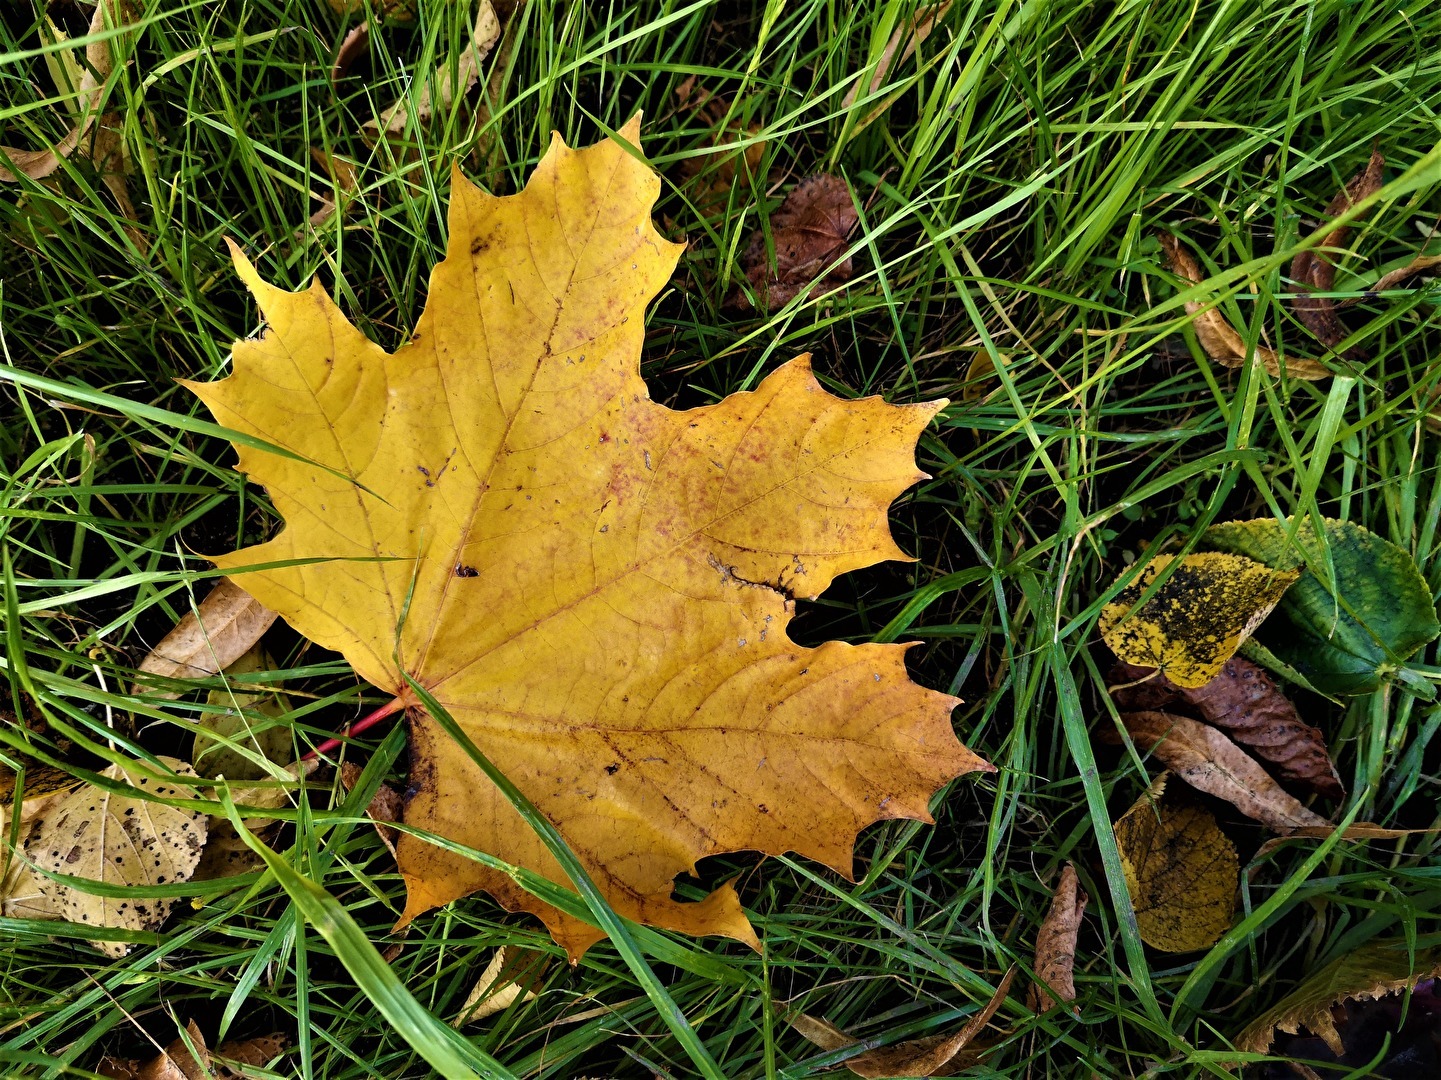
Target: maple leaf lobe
<point>597,587</point>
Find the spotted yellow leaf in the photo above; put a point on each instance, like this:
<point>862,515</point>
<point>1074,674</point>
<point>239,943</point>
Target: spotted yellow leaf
<point>1197,618</point>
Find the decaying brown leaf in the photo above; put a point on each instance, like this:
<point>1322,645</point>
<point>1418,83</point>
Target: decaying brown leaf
<point>209,639</point>
<point>344,185</point>
<point>446,84</point>
<point>1056,943</point>
<point>1208,604</point>
<point>1180,869</point>
<point>352,47</point>
<point>1246,703</point>
<point>1312,270</point>
<point>905,38</point>
<point>1209,761</point>
<point>810,231</point>
<point>510,973</point>
<point>177,1062</point>
<point>1371,971</point>
<point>122,840</point>
<point>386,805</point>
<point>1217,336</point>
<point>934,1055</point>
<point>40,785</point>
<point>1419,265</point>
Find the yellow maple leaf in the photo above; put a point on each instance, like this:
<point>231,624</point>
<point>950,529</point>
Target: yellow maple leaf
<point>595,586</point>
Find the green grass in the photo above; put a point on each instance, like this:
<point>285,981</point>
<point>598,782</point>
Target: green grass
<point>1011,194</point>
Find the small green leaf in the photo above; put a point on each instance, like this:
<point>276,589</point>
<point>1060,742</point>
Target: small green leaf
<point>1346,639</point>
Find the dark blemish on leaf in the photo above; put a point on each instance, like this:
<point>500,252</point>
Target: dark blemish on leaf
<point>461,570</point>
<point>478,245</point>
<point>762,808</point>
<point>612,768</point>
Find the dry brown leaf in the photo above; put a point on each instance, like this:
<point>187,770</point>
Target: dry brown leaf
<point>510,973</point>
<point>344,185</point>
<point>934,1055</point>
<point>1374,970</point>
<point>227,623</point>
<point>446,84</point>
<point>1218,337</point>
<point>1056,943</point>
<point>1209,761</point>
<point>912,32</point>
<point>386,805</point>
<point>119,840</point>
<point>810,231</point>
<point>1246,703</point>
<point>352,47</point>
<point>1357,832</point>
<point>596,587</point>
<point>1312,270</point>
<point>1419,265</point>
<point>1180,870</point>
<point>175,1062</point>
<point>40,786</point>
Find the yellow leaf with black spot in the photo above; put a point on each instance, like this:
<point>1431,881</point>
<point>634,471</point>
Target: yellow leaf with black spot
<point>1180,869</point>
<point>1198,616</point>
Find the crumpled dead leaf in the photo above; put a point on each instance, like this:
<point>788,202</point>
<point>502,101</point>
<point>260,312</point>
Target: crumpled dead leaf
<point>933,1055</point>
<point>447,83</point>
<point>1056,943</point>
<point>176,1062</point>
<point>810,231</point>
<point>912,32</point>
<point>1180,870</point>
<point>1419,265</point>
<point>386,805</point>
<point>1207,606</point>
<point>1372,971</point>
<point>1313,271</point>
<point>121,840</point>
<point>510,973</point>
<point>206,641</point>
<point>1209,761</point>
<point>1218,337</point>
<point>1246,703</point>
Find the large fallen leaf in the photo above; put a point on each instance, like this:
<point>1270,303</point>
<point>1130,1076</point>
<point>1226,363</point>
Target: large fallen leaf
<point>905,39</point>
<point>1209,761</point>
<point>1180,870</point>
<point>222,629</point>
<point>1312,270</point>
<point>1195,621</point>
<point>1347,641</point>
<point>438,93</point>
<point>1218,337</point>
<point>933,1055</point>
<point>809,232</point>
<point>1244,702</point>
<point>1372,971</point>
<point>1056,943</point>
<point>595,586</point>
<point>118,840</point>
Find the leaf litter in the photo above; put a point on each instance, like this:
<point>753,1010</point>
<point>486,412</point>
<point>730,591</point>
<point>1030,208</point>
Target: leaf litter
<point>1243,701</point>
<point>809,234</point>
<point>1056,944</point>
<point>221,629</point>
<point>188,1058</point>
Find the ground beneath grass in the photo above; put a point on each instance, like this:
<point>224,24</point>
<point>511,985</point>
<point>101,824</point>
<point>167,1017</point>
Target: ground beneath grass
<point>1011,176</point>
